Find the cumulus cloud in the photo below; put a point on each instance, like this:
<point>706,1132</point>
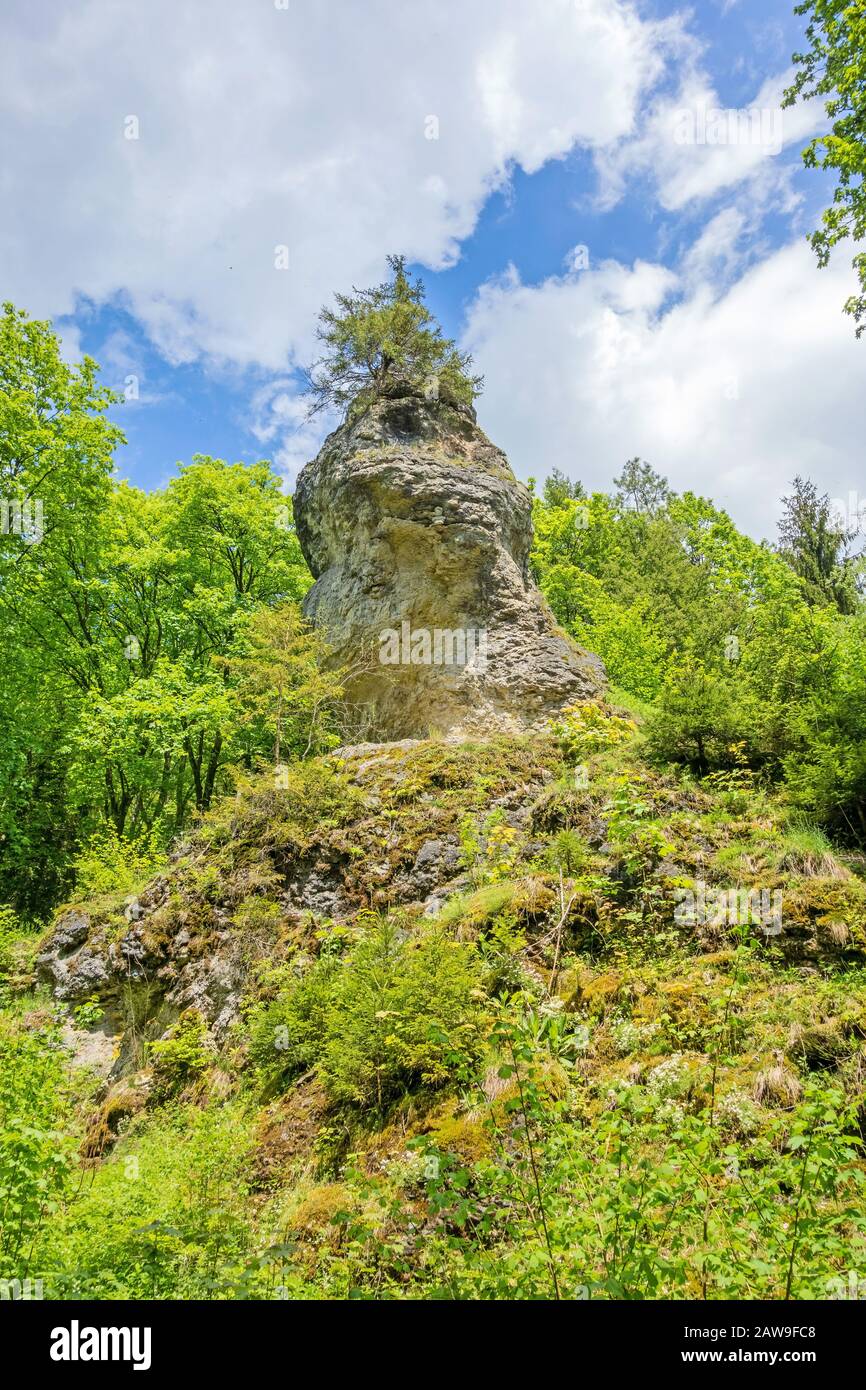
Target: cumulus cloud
<point>727,392</point>
<point>220,168</point>
<point>281,422</point>
<point>692,147</point>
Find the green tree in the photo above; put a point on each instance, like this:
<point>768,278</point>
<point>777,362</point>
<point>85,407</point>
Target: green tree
<point>559,489</point>
<point>834,67</point>
<point>287,696</point>
<point>640,487</point>
<point>117,719</point>
<point>378,339</point>
<point>56,448</point>
<point>815,545</point>
<point>696,720</point>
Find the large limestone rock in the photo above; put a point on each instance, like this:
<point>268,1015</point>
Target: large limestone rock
<point>418,536</point>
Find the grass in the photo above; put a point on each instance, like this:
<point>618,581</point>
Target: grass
<point>603,1023</point>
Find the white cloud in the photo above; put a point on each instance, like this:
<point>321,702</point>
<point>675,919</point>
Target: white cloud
<point>728,393</point>
<point>280,419</point>
<point>307,128</point>
<point>693,147</point>
<point>260,127</point>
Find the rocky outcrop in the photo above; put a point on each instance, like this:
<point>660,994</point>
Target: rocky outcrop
<point>149,958</point>
<point>411,829</point>
<point>141,973</point>
<point>418,536</point>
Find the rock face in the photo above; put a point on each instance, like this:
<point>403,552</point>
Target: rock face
<point>418,536</point>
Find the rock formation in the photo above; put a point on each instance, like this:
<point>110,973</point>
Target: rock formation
<point>418,536</point>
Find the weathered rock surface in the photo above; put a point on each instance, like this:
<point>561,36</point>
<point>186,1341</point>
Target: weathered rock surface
<point>412,522</point>
<point>151,957</point>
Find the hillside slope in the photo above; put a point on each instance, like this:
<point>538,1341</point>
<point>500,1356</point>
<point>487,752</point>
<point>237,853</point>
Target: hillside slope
<point>436,1019</point>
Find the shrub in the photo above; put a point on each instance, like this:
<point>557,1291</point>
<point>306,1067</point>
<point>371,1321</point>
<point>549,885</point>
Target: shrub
<point>10,934</point>
<point>591,727</point>
<point>405,1013</point>
<point>35,1156</point>
<point>181,1057</point>
<point>396,1013</point>
<point>287,1034</point>
<point>697,720</point>
<point>166,1216</point>
<point>109,864</point>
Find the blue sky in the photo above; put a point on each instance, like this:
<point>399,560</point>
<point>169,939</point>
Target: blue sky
<point>698,320</point>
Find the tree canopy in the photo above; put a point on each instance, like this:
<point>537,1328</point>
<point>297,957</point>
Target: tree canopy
<point>745,656</point>
<point>834,66</point>
<point>816,543</point>
<point>377,339</point>
<point>124,698</point>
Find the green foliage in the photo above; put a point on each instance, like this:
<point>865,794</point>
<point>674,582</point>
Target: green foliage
<point>552,1088</point>
<point>814,543</point>
<point>569,852</point>
<point>377,339</point>
<point>647,1201</point>
<point>834,67</point>
<point>180,1057</point>
<point>284,691</point>
<point>88,1013</point>
<point>166,1216</point>
<point>588,727</point>
<point>639,842</point>
<point>287,1034</point>
<point>10,934</point>
<point>558,490</point>
<point>725,644</point>
<point>395,1014</point>
<point>272,817</point>
<point>488,849</point>
<point>35,1155</point>
<point>696,719</point>
<point>122,618</point>
<point>55,466</point>
<point>627,638</point>
<point>582,1103</point>
<point>405,1012</point>
<point>108,864</point>
<point>641,488</point>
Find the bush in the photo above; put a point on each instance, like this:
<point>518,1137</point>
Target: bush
<point>287,1034</point>
<point>10,934</point>
<point>181,1057</point>
<point>590,727</point>
<point>405,1013</point>
<point>35,1157</point>
<point>109,864</point>
<point>165,1216</point>
<point>697,720</point>
<point>399,1012</point>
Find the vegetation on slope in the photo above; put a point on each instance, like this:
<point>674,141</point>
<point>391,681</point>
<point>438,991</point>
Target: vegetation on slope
<point>551,1086</point>
<point>572,1015</point>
